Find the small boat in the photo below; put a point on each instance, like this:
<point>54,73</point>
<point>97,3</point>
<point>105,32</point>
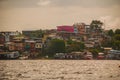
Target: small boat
<point>9,55</point>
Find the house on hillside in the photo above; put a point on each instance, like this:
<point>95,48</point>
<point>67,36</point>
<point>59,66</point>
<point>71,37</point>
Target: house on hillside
<point>113,54</point>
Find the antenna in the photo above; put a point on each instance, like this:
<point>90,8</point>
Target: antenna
<point>104,24</point>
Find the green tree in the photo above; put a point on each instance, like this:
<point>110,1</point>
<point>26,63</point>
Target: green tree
<point>116,41</point>
<point>116,45</point>
<point>94,52</point>
<point>56,46</point>
<point>110,33</point>
<point>117,37</point>
<point>74,46</point>
<point>96,25</point>
<point>117,31</point>
<point>40,33</point>
<point>107,43</point>
<point>37,34</point>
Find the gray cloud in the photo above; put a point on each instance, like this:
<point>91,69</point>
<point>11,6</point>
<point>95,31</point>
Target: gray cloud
<point>18,3</point>
<point>29,14</point>
<point>86,3</point>
<point>58,3</point>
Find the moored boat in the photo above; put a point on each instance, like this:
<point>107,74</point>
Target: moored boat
<point>9,55</point>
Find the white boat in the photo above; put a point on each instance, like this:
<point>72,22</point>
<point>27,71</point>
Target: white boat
<point>9,55</point>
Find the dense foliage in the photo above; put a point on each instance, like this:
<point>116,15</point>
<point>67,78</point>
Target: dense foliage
<point>114,39</point>
<point>74,46</point>
<point>96,26</point>
<point>55,46</point>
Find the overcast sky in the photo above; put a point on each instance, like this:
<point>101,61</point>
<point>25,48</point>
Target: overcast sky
<point>47,14</point>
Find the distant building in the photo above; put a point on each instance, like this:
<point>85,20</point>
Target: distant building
<point>11,46</point>
<point>15,45</point>
<point>2,38</point>
<point>80,28</point>
<point>38,44</point>
<point>28,33</point>
<point>66,29</point>
<point>114,54</point>
<point>2,41</point>
<point>92,42</point>
<point>30,45</point>
<point>87,29</point>
<point>51,31</point>
<point>9,35</point>
<point>32,34</point>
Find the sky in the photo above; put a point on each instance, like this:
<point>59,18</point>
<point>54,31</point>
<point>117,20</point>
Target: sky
<point>18,15</point>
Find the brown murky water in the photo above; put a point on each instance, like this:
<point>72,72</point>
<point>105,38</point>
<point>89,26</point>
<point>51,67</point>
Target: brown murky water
<point>59,70</point>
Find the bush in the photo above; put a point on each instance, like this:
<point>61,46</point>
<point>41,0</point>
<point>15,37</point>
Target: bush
<point>94,52</point>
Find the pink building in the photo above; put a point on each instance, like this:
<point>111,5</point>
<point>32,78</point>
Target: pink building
<point>69,29</point>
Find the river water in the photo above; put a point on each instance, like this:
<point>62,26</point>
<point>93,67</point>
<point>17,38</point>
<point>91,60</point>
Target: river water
<point>59,70</point>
